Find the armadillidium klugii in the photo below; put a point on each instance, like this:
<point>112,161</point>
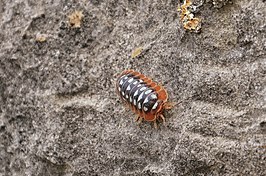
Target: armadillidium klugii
<point>145,97</point>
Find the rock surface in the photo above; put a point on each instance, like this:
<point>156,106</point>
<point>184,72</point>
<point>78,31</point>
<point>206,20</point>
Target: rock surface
<point>60,115</point>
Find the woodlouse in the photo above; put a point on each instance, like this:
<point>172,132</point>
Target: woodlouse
<point>145,97</point>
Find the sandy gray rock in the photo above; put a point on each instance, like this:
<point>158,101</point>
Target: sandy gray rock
<point>60,115</point>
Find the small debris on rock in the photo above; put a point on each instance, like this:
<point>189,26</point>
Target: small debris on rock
<point>136,52</point>
<point>41,38</point>
<point>75,19</point>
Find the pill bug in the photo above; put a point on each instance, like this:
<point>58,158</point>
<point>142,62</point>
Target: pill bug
<point>145,97</point>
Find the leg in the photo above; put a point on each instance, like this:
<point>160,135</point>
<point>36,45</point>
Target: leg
<point>162,117</point>
<point>155,124</point>
<point>138,119</point>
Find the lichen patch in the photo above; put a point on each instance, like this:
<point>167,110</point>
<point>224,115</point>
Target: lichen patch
<point>187,18</point>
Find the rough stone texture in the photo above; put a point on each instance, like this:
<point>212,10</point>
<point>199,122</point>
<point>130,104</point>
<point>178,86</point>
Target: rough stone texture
<point>59,114</point>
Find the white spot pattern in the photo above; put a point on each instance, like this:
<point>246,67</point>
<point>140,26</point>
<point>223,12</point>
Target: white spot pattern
<point>153,96</point>
<point>136,93</point>
<point>148,91</point>
<point>128,87</point>
<point>143,88</point>
<point>122,80</point>
<point>139,105</point>
<point>146,100</point>
<point>140,96</point>
<point>155,105</point>
<point>130,80</point>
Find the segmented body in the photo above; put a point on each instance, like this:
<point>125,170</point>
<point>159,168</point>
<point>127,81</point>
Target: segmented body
<point>145,97</point>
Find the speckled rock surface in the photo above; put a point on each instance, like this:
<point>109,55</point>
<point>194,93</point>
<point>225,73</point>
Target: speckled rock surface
<point>60,115</point>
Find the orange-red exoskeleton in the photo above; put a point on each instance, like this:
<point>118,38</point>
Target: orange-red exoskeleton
<point>145,97</point>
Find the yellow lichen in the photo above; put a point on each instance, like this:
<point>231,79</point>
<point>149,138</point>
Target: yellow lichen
<point>193,24</point>
<point>75,19</point>
<point>136,52</point>
<point>187,18</point>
